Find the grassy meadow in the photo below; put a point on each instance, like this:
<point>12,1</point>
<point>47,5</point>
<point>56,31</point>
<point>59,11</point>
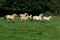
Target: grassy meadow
<point>30,30</point>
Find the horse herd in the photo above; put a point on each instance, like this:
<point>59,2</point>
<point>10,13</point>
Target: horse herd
<point>25,17</point>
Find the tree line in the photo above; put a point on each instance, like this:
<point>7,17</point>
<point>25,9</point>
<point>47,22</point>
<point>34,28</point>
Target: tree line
<point>30,5</point>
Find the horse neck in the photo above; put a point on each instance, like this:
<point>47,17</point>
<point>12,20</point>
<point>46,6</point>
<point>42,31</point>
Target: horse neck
<point>13,15</point>
<point>49,17</point>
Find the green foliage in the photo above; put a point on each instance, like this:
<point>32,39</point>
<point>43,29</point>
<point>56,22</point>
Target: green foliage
<point>24,5</point>
<point>31,5</point>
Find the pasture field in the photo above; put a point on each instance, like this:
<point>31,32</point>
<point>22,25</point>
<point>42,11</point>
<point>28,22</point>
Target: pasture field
<point>30,30</point>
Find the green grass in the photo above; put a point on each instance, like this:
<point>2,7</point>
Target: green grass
<point>30,30</point>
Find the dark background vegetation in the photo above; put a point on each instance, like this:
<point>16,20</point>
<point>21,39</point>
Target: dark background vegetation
<point>31,6</point>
